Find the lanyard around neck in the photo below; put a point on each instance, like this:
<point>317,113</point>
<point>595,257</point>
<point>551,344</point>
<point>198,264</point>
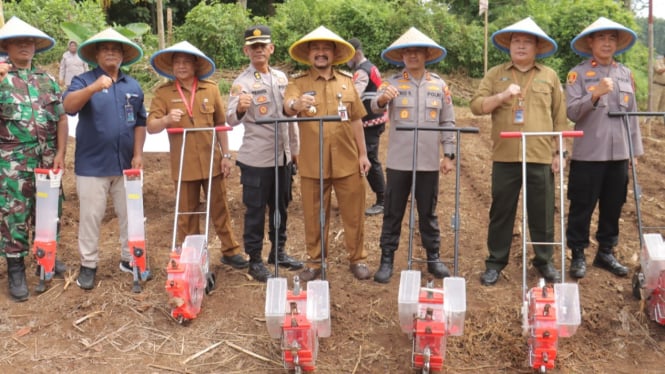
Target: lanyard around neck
<point>524,91</point>
<point>189,106</point>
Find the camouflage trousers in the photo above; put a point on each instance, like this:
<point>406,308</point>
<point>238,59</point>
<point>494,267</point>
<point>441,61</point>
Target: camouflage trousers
<point>17,204</point>
<point>17,193</point>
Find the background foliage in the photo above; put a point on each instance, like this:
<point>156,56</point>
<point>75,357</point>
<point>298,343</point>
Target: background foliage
<point>216,27</point>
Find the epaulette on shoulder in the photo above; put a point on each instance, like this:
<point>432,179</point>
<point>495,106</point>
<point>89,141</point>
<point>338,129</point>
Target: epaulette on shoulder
<point>435,75</point>
<point>299,74</point>
<point>208,81</point>
<point>346,73</point>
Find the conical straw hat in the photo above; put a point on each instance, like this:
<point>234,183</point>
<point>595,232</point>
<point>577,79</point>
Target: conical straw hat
<point>162,61</point>
<point>88,49</point>
<point>413,38</point>
<point>546,45</point>
<point>626,37</point>
<point>299,50</point>
<point>17,28</point>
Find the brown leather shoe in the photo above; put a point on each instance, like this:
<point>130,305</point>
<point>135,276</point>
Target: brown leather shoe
<point>309,274</point>
<point>360,271</point>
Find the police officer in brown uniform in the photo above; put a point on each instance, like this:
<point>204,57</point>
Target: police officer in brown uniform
<point>258,93</point>
<point>323,91</point>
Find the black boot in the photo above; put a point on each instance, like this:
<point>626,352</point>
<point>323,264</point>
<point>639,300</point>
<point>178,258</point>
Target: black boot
<point>386,268</point>
<point>435,267</point>
<point>257,270</point>
<point>578,263</point>
<point>285,260</point>
<point>605,259</point>
<point>18,285</point>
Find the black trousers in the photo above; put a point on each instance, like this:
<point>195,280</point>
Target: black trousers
<point>589,183</point>
<point>375,176</point>
<point>258,191</point>
<point>398,188</point>
<point>506,186</point>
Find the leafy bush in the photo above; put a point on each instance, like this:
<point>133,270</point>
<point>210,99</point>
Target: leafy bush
<point>217,30</point>
<point>42,13</point>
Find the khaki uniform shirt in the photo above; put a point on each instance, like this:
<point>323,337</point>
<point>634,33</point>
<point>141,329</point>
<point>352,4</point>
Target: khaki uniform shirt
<point>258,143</point>
<point>544,111</point>
<point>604,136</point>
<point>340,151</point>
<point>207,111</point>
<point>423,103</point>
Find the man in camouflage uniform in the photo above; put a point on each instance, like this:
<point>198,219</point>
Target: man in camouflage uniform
<point>33,134</point>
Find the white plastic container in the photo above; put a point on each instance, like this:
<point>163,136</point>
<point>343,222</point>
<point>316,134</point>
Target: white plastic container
<point>407,299</point>
<point>568,311</point>
<point>275,306</point>
<point>47,194</point>
<point>318,306</point>
<point>192,249</point>
<point>652,259</point>
<point>454,305</point>
<point>134,197</point>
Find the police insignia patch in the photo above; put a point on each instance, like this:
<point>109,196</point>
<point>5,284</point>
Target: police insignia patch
<point>572,77</point>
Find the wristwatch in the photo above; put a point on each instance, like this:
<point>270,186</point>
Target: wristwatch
<point>227,155</point>
<point>450,156</point>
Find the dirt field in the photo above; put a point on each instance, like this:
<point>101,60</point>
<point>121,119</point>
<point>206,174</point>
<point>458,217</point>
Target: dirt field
<point>112,330</point>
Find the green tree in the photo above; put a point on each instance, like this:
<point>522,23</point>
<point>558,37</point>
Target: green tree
<point>217,29</point>
<point>42,13</point>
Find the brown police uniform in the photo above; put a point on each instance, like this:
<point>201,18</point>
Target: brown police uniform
<point>340,161</point>
<point>207,111</point>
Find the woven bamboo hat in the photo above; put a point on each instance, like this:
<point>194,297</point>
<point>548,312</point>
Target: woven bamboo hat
<point>546,45</point>
<point>299,50</point>
<point>88,49</point>
<point>17,28</point>
<point>413,38</point>
<point>626,37</point>
<point>162,61</point>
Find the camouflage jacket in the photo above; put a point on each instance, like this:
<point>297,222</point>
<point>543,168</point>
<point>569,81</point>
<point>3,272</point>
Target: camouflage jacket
<point>30,107</point>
